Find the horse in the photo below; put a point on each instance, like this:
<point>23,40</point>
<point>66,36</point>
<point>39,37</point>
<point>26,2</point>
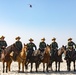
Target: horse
<point>5,58</point>
<point>57,58</point>
<point>21,58</point>
<point>70,56</point>
<point>34,58</point>
<point>46,58</point>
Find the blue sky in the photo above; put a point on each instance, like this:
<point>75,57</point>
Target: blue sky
<point>46,18</point>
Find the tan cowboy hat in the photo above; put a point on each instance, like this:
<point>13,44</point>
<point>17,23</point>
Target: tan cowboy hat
<point>43,39</point>
<point>69,39</point>
<point>2,37</point>
<point>53,39</point>
<point>31,39</point>
<point>17,38</point>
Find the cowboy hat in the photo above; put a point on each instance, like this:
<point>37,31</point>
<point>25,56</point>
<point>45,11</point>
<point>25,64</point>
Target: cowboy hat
<point>17,38</point>
<point>53,39</point>
<point>43,39</point>
<point>31,39</point>
<point>2,37</point>
<point>69,39</point>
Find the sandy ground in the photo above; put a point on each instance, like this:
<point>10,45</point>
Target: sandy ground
<point>63,70</point>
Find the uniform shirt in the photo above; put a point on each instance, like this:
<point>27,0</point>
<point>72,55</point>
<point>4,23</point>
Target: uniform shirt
<point>31,46</point>
<point>2,43</point>
<point>42,45</point>
<point>54,45</point>
<point>71,44</point>
<point>18,45</point>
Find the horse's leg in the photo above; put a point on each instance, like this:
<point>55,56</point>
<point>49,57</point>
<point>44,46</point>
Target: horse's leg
<point>47,67</point>
<point>18,66</point>
<point>51,66</point>
<point>68,65</point>
<point>36,66</point>
<point>31,67</point>
<point>3,66</point>
<point>74,64</point>
<point>43,67</point>
<point>23,67</point>
<point>9,64</point>
<point>58,66</point>
<point>6,67</point>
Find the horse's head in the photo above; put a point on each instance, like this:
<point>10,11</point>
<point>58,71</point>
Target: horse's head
<point>47,49</point>
<point>62,50</point>
<point>25,47</point>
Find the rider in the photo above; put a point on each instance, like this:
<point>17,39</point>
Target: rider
<point>42,45</point>
<point>71,49</point>
<point>30,47</point>
<point>18,45</point>
<point>3,43</point>
<point>54,47</point>
<point>71,44</point>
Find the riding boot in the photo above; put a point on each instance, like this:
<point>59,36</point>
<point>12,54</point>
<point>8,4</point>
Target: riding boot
<point>14,56</point>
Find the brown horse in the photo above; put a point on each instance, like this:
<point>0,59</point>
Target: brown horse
<point>46,58</point>
<point>57,58</point>
<point>6,59</point>
<point>21,58</point>
<point>6,56</point>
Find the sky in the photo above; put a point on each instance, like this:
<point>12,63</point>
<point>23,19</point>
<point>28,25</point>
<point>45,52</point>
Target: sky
<point>46,18</point>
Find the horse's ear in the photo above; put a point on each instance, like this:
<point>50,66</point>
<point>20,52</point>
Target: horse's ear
<point>24,44</point>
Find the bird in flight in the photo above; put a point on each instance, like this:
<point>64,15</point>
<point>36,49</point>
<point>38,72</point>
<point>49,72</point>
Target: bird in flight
<point>30,5</point>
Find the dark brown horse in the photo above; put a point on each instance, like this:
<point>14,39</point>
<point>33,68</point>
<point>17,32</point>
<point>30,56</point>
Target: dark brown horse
<point>34,58</point>
<point>57,58</point>
<point>70,56</point>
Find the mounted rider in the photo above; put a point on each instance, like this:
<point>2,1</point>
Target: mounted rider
<point>71,44</point>
<point>54,47</point>
<point>18,46</point>
<point>31,47</point>
<point>3,43</point>
<point>70,49</point>
<point>42,46</point>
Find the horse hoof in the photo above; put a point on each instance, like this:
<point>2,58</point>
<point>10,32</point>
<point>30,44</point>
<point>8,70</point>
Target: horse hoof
<point>47,71</point>
<point>31,71</point>
<point>55,70</point>
<point>58,70</point>
<point>36,71</point>
<point>22,71</point>
<point>3,71</point>
<point>18,71</point>
<point>6,71</point>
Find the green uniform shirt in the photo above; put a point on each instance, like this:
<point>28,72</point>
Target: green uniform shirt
<point>2,43</point>
<point>71,44</point>
<point>54,45</point>
<point>42,45</point>
<point>18,45</point>
<point>31,46</point>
